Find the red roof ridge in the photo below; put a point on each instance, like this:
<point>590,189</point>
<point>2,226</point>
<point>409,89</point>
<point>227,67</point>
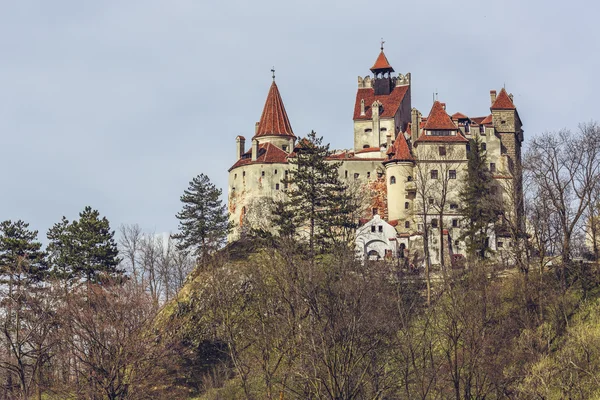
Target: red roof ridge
<point>274,120</point>
<point>381,63</point>
<point>503,102</point>
<point>438,119</point>
<point>487,120</point>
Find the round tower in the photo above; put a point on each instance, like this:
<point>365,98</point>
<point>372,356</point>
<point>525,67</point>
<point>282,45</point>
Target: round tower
<point>399,176</point>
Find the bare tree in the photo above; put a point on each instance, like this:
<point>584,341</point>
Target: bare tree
<point>566,167</point>
<point>130,244</point>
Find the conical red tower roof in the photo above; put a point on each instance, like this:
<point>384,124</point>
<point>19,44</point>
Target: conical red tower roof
<point>399,150</point>
<point>382,64</point>
<point>438,119</point>
<point>274,120</point>
<point>503,102</point>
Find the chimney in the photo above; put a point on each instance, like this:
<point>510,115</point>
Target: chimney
<point>415,117</point>
<point>443,106</point>
<point>362,107</point>
<point>493,96</point>
<point>256,128</point>
<point>254,149</point>
<point>240,142</point>
<point>510,96</point>
<point>389,140</point>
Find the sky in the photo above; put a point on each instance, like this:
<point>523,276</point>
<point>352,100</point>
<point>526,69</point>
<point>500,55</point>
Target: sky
<point>119,104</point>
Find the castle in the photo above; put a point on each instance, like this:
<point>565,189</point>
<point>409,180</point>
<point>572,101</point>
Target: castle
<point>410,166</point>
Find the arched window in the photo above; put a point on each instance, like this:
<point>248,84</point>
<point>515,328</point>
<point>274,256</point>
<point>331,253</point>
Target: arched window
<point>365,146</point>
<point>393,180</point>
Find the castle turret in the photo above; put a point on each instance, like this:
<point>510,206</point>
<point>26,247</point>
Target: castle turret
<point>399,175</point>
<point>274,126</point>
<point>392,113</point>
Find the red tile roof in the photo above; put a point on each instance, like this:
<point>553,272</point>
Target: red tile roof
<point>267,154</point>
<point>390,103</point>
<point>442,139</point>
<point>438,119</point>
<point>274,119</point>
<point>503,102</point>
<point>458,115</point>
<point>478,120</point>
<point>369,150</point>
<point>487,120</point>
<point>400,151</point>
<point>382,63</point>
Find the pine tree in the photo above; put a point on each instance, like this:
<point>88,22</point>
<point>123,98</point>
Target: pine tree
<point>317,201</point>
<point>21,256</point>
<point>480,209</point>
<point>203,221</point>
<point>84,249</point>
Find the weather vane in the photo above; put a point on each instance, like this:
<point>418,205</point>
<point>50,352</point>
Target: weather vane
<point>273,71</point>
<point>382,42</point>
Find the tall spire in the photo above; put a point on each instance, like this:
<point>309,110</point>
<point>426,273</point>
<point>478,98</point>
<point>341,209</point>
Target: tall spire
<point>274,120</point>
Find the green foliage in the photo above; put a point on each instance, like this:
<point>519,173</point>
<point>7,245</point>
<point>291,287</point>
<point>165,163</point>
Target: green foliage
<point>480,209</point>
<point>20,252</point>
<point>83,249</point>
<point>318,205</point>
<point>203,221</point>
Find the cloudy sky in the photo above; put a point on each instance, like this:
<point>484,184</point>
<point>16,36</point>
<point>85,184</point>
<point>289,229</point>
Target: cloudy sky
<point>118,104</point>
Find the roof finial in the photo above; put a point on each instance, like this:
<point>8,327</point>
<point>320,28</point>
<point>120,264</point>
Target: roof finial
<point>273,71</point>
<point>382,42</point>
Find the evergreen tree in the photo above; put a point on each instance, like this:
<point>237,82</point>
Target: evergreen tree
<point>21,256</point>
<point>317,202</point>
<point>480,208</point>
<point>203,221</point>
<point>83,249</point>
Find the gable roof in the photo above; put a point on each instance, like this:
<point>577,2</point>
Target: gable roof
<point>459,115</point>
<point>487,120</point>
<point>399,150</point>
<point>382,63</point>
<point>438,119</point>
<point>503,102</point>
<point>390,103</point>
<point>267,154</point>
<point>274,120</point>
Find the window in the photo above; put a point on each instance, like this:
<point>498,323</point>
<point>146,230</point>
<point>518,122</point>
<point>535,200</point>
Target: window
<point>284,147</point>
<point>235,176</point>
<point>277,186</point>
<point>380,228</point>
<point>456,242</point>
<point>482,129</point>
<point>442,150</point>
<point>372,228</point>
<point>365,146</point>
<point>452,174</point>
<point>431,200</point>
<point>407,224</point>
<point>453,206</point>
<point>454,223</point>
<point>500,244</point>
<point>243,173</point>
<point>434,223</point>
<point>492,167</point>
<point>368,130</point>
<point>374,211</point>
<point>262,173</point>
<point>434,174</point>
<point>406,205</point>
<point>368,174</point>
<point>393,180</point>
<point>409,178</point>
<point>356,176</point>
<point>483,146</point>
<point>468,147</point>
<point>275,173</point>
<point>383,129</point>
<point>346,174</point>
